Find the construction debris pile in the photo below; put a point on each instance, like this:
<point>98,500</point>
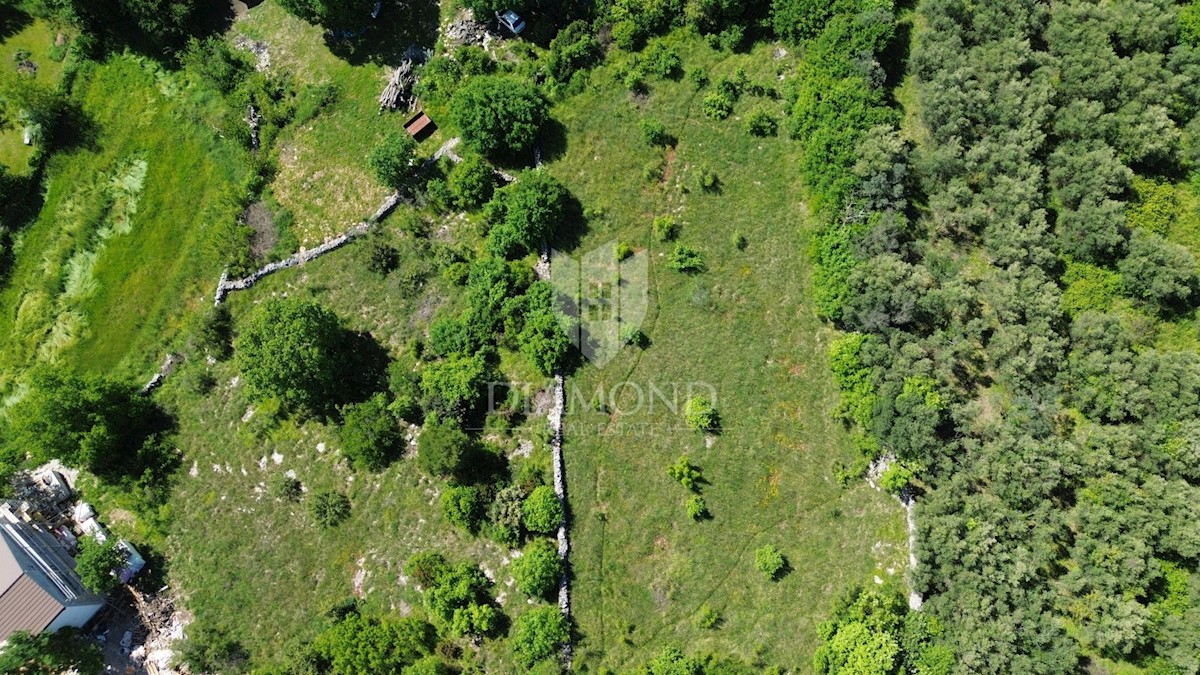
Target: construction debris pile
<point>465,30</point>
<point>399,90</point>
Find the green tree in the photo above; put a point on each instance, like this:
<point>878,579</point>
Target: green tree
<point>361,644</point>
<point>700,414</point>
<point>97,563</point>
<point>538,569</point>
<point>533,209</point>
<point>50,653</point>
<point>498,115</point>
<point>769,561</point>
<point>442,447</point>
<point>464,506</point>
<point>1159,271</point>
<point>542,510</point>
<point>371,436</point>
<point>538,634</point>
<point>472,182</point>
<point>291,349</point>
<point>88,421</point>
<point>393,160</point>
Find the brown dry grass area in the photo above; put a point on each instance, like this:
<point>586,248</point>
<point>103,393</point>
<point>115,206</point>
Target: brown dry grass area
<point>326,197</point>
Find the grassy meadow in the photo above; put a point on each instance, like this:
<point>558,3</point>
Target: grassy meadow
<point>115,259</point>
<point>643,569</point>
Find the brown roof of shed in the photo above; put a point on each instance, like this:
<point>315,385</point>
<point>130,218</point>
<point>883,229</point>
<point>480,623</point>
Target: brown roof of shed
<point>24,603</point>
<point>26,606</point>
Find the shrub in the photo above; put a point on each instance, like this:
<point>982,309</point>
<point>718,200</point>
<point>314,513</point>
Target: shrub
<point>696,508</point>
<point>698,77</point>
<point>664,228</point>
<point>707,180</point>
<point>472,182</point>
<point>382,257</point>
<point>438,195</point>
<point>425,568</point>
<point>441,447</point>
<point>429,665</point>
<point>717,105</point>
<point>685,473</point>
<point>97,562</point>
<point>769,561</point>
<point>686,259</point>
<point>655,132</point>
<point>506,513</point>
<point>371,436</point>
<point>662,60</point>
<point>739,241</point>
<point>329,508</point>
<point>707,618</point>
<point>700,414</point>
<point>896,478</point>
<point>538,634</point>
<point>732,39</point>
<point>283,486</point>
<point>632,335</point>
<point>214,332</point>
<point>538,569</point>
<point>393,160</point>
<point>761,123</point>
<point>463,506</point>
<point>623,251</point>
<point>654,170</point>
<point>542,510</point>
<point>574,48</point>
<point>498,115</point>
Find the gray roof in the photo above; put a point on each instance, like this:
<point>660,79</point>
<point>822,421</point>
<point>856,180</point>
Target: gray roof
<point>37,579</point>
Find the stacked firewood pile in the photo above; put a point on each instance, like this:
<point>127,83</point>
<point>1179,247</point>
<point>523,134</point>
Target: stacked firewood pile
<point>399,90</point>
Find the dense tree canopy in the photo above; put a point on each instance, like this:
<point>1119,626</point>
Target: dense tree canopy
<point>89,421</point>
<point>50,653</point>
<point>499,115</point>
<point>291,349</point>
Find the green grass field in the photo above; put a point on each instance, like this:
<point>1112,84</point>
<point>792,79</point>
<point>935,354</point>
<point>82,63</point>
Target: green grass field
<point>746,326</point>
<point>117,255</point>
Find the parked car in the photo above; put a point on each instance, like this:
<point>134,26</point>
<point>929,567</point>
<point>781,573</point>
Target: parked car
<point>511,21</point>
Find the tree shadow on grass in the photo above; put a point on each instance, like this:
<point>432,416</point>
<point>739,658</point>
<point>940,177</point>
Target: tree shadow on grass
<point>388,38</point>
<point>553,140</point>
<point>366,366</point>
<point>12,21</point>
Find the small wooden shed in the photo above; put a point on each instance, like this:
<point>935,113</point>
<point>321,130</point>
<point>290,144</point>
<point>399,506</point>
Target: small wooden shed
<point>420,126</point>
